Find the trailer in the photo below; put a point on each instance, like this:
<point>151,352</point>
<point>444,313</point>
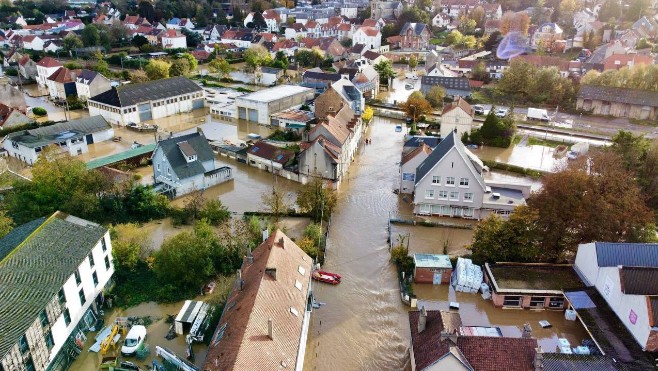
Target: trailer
<point>538,114</point>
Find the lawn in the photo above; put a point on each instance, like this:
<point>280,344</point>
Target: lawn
<point>529,277</point>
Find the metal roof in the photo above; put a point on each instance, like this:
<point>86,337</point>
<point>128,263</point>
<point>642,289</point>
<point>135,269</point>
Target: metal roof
<point>577,362</point>
<point>437,154</point>
<point>639,280</point>
<point>46,135</point>
<point>132,94</point>
<point>580,300</point>
<point>37,268</point>
<point>121,156</point>
<point>634,97</point>
<point>432,261</point>
<point>612,254</point>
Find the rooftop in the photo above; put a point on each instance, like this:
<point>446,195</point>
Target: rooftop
<point>46,135</point>
<point>432,261</point>
<point>121,156</point>
<point>132,94</point>
<point>275,93</point>
<point>38,258</point>
<point>611,254</point>
<point>179,164</point>
<point>294,115</point>
<point>542,277</point>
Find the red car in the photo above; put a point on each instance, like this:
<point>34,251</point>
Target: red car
<point>326,277</point>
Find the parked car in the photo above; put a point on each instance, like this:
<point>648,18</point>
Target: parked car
<point>479,109</point>
<point>501,112</point>
<point>409,87</point>
<point>134,339</point>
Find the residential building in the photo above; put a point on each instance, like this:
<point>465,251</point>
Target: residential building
<point>432,268</point>
<point>296,32</point>
<point>10,117</point>
<point>272,20</point>
<point>369,36</point>
<point>450,183</point>
<point>618,102</point>
<point>408,165</point>
<point>61,84</point>
<point>415,36</point>
<point>147,101</point>
<point>269,157</point>
<point>91,83</point>
<point>626,276</point>
<point>455,8</point>
<point>214,32</point>
<point>417,141</point>
<point>53,272</point>
<point>441,20</point>
<point>45,68</point>
<point>385,9</point>
<point>269,76</point>
<point>293,119</point>
<point>173,39</point>
<point>186,164</point>
<point>617,61</point>
<point>319,80</point>
<point>178,23</point>
<point>72,137</point>
<point>349,93</point>
<point>259,106</point>
<point>439,342</point>
<point>266,320</point>
<point>457,116</point>
<point>12,97</point>
<point>530,286</point>
<point>546,36</point>
<point>27,67</point>
<point>454,86</point>
<point>496,68</point>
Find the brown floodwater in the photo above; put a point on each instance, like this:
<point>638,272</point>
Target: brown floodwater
<point>528,156</point>
<point>155,335</point>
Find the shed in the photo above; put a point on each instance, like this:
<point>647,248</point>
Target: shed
<point>432,268</point>
<point>187,315</point>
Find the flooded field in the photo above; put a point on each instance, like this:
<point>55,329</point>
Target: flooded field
<point>529,156</point>
<point>156,332</point>
<point>476,311</point>
<point>434,240</point>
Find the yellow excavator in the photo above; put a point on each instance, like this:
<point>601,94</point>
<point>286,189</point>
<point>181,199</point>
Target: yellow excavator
<point>120,326</point>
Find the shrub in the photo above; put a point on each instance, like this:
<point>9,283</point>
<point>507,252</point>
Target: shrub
<point>39,111</point>
<point>11,71</point>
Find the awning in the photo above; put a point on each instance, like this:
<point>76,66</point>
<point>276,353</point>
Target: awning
<point>580,300</point>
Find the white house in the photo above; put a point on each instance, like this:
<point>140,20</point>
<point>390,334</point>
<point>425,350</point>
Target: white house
<point>349,11</point>
<point>268,157</point>
<point>33,42</point>
<point>450,183</point>
<point>457,116</point>
<point>186,163</point>
<point>272,20</point>
<point>369,36</point>
<point>91,83</point>
<point>147,101</point>
<point>53,271</point>
<point>625,274</point>
<point>173,39</point>
<point>72,137</point>
<point>441,20</point>
<point>45,68</point>
<point>408,165</point>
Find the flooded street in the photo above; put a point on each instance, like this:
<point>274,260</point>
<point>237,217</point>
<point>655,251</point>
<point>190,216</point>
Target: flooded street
<point>364,324</point>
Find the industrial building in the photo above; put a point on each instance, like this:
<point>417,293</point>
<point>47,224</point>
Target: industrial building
<point>259,106</point>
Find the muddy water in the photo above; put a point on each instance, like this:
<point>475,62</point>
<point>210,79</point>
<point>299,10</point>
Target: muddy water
<point>363,326</point>
<point>155,335</point>
<point>532,157</point>
<point>432,240</point>
<point>478,312</point>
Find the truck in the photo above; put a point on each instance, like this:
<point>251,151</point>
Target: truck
<point>538,114</point>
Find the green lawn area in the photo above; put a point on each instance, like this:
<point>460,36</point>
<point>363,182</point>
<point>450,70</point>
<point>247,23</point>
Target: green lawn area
<point>436,41</point>
<point>528,277</point>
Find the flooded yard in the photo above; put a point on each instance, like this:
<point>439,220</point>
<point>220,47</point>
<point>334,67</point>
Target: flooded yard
<point>434,240</point>
<point>476,311</point>
<point>528,156</point>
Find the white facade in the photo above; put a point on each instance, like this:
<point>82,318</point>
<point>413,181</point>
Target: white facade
<point>174,42</point>
<point>367,36</point>
<point>456,119</point>
<point>260,105</point>
<point>35,44</point>
<point>408,171</point>
<point>43,73</point>
<point>158,108</point>
<point>349,11</point>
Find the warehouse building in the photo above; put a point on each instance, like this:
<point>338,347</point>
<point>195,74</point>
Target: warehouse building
<point>261,105</point>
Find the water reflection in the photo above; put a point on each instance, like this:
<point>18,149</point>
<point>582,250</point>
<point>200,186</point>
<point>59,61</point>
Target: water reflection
<point>531,157</point>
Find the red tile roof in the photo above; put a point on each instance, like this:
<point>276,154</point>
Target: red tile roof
<point>617,61</point>
<point>241,340</point>
<point>369,31</point>
<point>369,22</point>
<point>461,103</point>
<point>415,152</point>
<point>49,62</point>
<point>63,75</point>
<point>271,152</point>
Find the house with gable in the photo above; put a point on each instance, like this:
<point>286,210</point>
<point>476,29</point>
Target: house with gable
<point>450,182</point>
<point>350,94</point>
<point>265,324</point>
<point>10,117</point>
<point>414,36</point>
<point>61,83</point>
<point>45,68</point>
<point>408,164</point>
<point>269,157</point>
<point>27,67</point>
<point>369,36</point>
<point>173,39</point>
<point>457,116</point>
<point>91,83</point>
<point>185,164</point>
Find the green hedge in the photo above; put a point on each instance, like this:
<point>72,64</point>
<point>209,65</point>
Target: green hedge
<point>39,111</point>
<point>514,169</point>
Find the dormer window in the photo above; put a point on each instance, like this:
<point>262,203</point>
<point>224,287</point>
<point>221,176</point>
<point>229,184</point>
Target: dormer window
<point>188,152</point>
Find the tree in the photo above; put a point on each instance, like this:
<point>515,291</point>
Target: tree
<point>128,244</point>
<point>102,67</point>
<point>6,223</point>
<point>71,42</point>
<point>309,58</point>
<point>413,62</point>
<point>258,21</point>
<point>138,76</point>
<point>454,37</point>
<point>220,65</point>
<point>138,41</point>
<point>275,203</point>
<point>416,106</point>
<point>118,32</point>
<point>179,67</point>
<point>367,114</point>
<point>145,9</point>
<point>480,73</point>
<point>91,35</point>
<point>413,14</point>
<point>492,41</point>
<point>385,71</point>
<point>215,213</point>
<point>514,22</point>
<point>636,9</point>
<point>467,25</point>
<point>192,38</point>
<point>255,56</point>
<point>280,61</point>
<point>610,9</point>
<point>494,131</point>
<point>435,96</point>
<point>479,16</point>
<point>317,199</point>
<point>157,69</point>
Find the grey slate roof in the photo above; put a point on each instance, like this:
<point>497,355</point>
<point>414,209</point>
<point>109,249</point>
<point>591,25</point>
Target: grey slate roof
<point>56,133</point>
<point>17,235</point>
<point>453,85</point>
<point>34,272</point>
<point>577,362</point>
<point>620,95</point>
<point>132,94</point>
<point>437,154</point>
<point>417,27</point>
<point>418,141</point>
<point>328,76</point>
<point>179,165</point>
<point>610,254</point>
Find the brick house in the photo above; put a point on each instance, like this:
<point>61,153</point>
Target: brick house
<point>415,36</point>
<point>432,268</point>
<point>618,102</point>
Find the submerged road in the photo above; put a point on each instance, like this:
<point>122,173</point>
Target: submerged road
<point>363,325</point>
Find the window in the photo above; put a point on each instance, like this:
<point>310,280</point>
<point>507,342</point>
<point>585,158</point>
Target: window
<point>450,181</point>
<point>468,196</point>
<point>454,196</point>
<point>429,193</point>
<point>78,280</point>
<point>443,195</point>
<point>556,302</point>
<point>67,317</point>
<point>512,301</point>
<point>103,245</point>
<point>91,260</point>
<point>94,276</point>
<point>436,179</point>
<point>463,182</point>
<point>44,318</point>
<point>49,340</point>
<point>537,301</point>
<point>298,285</point>
<point>107,262</point>
<point>294,311</point>
<point>301,270</point>
<point>22,344</point>
<point>81,294</point>
<point>61,296</point>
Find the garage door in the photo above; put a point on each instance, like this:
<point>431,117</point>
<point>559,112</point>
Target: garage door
<point>197,104</point>
<point>145,112</point>
<point>253,115</point>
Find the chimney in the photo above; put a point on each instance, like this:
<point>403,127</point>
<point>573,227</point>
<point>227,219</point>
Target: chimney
<point>422,319</point>
<point>271,272</point>
<point>239,279</point>
<point>539,359</point>
<point>282,242</point>
<point>266,234</point>
<point>270,330</point>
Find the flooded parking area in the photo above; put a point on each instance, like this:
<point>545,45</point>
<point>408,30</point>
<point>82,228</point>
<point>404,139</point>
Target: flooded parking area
<point>527,156</point>
<point>476,311</point>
